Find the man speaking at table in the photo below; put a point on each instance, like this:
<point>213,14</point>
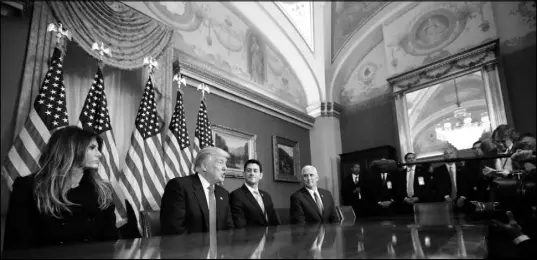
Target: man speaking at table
<point>195,203</point>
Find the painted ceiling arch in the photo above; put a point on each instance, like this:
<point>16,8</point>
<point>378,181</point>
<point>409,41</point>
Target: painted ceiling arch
<point>221,35</point>
<point>358,46</point>
<point>329,53</point>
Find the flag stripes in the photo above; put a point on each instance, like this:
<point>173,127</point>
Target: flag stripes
<point>177,149</point>
<point>144,170</point>
<point>48,113</point>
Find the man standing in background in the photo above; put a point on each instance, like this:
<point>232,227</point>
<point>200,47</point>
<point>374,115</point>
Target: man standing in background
<point>352,191</point>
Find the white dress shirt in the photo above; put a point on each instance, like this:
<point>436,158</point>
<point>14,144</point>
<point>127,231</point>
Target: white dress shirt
<point>504,163</point>
<point>454,171</point>
<point>253,191</point>
<point>410,171</point>
<point>354,177</point>
<point>312,193</point>
<point>205,184</point>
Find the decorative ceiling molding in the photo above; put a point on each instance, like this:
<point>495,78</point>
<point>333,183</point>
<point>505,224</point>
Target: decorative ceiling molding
<point>300,15</point>
<point>231,90</point>
<point>374,7</point>
<point>373,27</point>
<point>254,11</point>
<point>251,13</point>
<point>445,68</point>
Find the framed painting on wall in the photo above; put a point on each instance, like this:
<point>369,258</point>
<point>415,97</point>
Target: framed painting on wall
<point>286,156</point>
<point>240,146</point>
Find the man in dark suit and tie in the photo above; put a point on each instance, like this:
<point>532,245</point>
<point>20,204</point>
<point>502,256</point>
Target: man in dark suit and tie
<point>411,185</point>
<point>251,206</point>
<point>353,192</point>
<point>381,189</point>
<point>451,182</point>
<point>194,203</point>
<point>311,204</point>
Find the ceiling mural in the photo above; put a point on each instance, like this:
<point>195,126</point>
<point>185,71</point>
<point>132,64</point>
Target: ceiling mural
<point>435,30</point>
<point>300,14</point>
<point>217,35</point>
<point>348,18</point>
<point>367,81</point>
<point>213,34</point>
<point>516,24</point>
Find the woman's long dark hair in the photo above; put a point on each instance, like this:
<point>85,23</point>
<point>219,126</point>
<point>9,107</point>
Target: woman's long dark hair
<point>66,149</point>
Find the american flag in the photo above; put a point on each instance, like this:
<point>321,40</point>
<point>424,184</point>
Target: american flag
<point>177,150</point>
<point>48,113</point>
<point>96,118</point>
<point>203,134</point>
<point>144,170</point>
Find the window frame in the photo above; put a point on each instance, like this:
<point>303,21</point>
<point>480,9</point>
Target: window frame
<point>482,58</point>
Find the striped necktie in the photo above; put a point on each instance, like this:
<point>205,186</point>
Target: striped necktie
<point>318,202</point>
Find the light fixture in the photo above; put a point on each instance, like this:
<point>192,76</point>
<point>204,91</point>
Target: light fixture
<point>459,130</point>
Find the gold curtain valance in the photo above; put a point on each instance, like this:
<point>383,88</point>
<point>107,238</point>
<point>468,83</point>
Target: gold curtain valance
<point>131,35</point>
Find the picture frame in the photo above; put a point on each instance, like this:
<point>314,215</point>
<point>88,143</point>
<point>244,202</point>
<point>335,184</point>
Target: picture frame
<point>286,158</point>
<point>240,145</point>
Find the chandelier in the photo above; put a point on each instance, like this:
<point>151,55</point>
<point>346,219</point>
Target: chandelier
<point>459,130</point>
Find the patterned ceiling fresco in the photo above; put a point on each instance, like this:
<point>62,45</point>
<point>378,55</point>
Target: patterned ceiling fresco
<point>418,34</point>
<point>301,16</point>
<point>367,81</point>
<point>516,25</point>
<point>349,17</point>
<point>213,34</point>
<point>435,30</point>
<point>429,31</point>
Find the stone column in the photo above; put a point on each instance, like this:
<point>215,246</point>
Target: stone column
<point>325,142</point>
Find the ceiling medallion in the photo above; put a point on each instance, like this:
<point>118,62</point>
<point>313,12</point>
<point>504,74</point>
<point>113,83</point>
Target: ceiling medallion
<point>432,32</point>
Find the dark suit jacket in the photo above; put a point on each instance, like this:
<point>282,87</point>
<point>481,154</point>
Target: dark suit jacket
<point>184,207</point>
<point>348,186</point>
<point>26,227</point>
<point>379,190</point>
<point>356,200</point>
<point>246,211</point>
<point>304,210</point>
<point>442,183</point>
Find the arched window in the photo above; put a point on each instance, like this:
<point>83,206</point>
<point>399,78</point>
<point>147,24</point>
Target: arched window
<point>456,100</point>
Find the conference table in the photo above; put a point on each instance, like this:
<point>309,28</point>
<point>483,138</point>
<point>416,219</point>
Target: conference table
<point>371,238</point>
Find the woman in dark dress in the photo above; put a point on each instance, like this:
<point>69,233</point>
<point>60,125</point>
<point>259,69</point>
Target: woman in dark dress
<point>66,201</point>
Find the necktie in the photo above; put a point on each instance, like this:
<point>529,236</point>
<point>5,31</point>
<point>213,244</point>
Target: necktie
<point>356,179</point>
<point>212,223</point>
<point>453,185</point>
<point>212,210</point>
<point>318,202</point>
<point>384,178</point>
<point>257,197</point>
<point>410,182</point>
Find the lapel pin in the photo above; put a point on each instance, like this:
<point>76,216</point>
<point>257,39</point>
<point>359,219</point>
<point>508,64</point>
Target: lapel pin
<point>221,198</point>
